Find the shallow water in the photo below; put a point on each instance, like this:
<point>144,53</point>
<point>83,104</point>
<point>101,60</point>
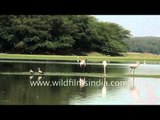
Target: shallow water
<point>17,90</point>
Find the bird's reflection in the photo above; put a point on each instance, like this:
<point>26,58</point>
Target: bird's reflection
<point>134,91</point>
<point>3,91</point>
<point>40,77</point>
<point>31,77</point>
<point>104,89</point>
<point>82,82</point>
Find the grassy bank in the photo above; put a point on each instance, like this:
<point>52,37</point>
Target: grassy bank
<point>92,57</point>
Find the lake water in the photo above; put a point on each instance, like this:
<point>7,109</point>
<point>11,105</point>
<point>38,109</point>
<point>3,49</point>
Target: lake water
<point>21,89</point>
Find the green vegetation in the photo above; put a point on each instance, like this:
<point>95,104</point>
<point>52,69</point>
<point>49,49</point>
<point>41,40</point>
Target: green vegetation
<point>60,34</point>
<point>144,44</point>
<point>92,57</point>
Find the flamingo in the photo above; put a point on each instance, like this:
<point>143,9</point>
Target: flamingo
<point>40,72</point>
<point>134,66</point>
<point>31,71</point>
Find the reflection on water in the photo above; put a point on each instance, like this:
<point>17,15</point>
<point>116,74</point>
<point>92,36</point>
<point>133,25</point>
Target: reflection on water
<point>25,67</point>
<point>31,77</point>
<point>16,90</point>
<point>134,90</point>
<point>104,89</point>
<point>145,91</point>
<point>82,82</point>
<point>115,69</point>
<point>82,85</point>
<point>40,77</point>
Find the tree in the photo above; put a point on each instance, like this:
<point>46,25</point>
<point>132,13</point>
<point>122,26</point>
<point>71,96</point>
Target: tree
<point>144,44</point>
<point>60,34</point>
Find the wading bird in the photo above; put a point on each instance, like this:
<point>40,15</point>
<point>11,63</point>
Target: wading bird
<point>40,72</point>
<point>31,71</point>
<point>83,63</point>
<point>134,66</point>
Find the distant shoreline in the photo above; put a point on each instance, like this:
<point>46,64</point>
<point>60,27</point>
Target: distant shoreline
<point>92,57</point>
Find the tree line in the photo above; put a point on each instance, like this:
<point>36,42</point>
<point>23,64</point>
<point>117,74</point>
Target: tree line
<point>144,44</point>
<point>60,34</point>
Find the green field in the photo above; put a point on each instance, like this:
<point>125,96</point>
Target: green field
<point>92,57</point>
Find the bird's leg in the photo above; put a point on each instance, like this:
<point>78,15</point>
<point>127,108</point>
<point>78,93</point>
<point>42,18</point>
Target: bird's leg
<point>130,70</point>
<point>83,69</point>
<point>104,71</point>
<point>133,82</point>
<point>133,71</point>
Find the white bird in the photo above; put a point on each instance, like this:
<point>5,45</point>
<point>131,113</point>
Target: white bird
<point>134,66</point>
<point>39,71</point>
<point>82,63</point>
<point>104,63</point>
<point>31,71</point>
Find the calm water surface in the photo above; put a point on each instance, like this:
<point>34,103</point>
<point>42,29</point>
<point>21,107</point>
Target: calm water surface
<point>17,90</point>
